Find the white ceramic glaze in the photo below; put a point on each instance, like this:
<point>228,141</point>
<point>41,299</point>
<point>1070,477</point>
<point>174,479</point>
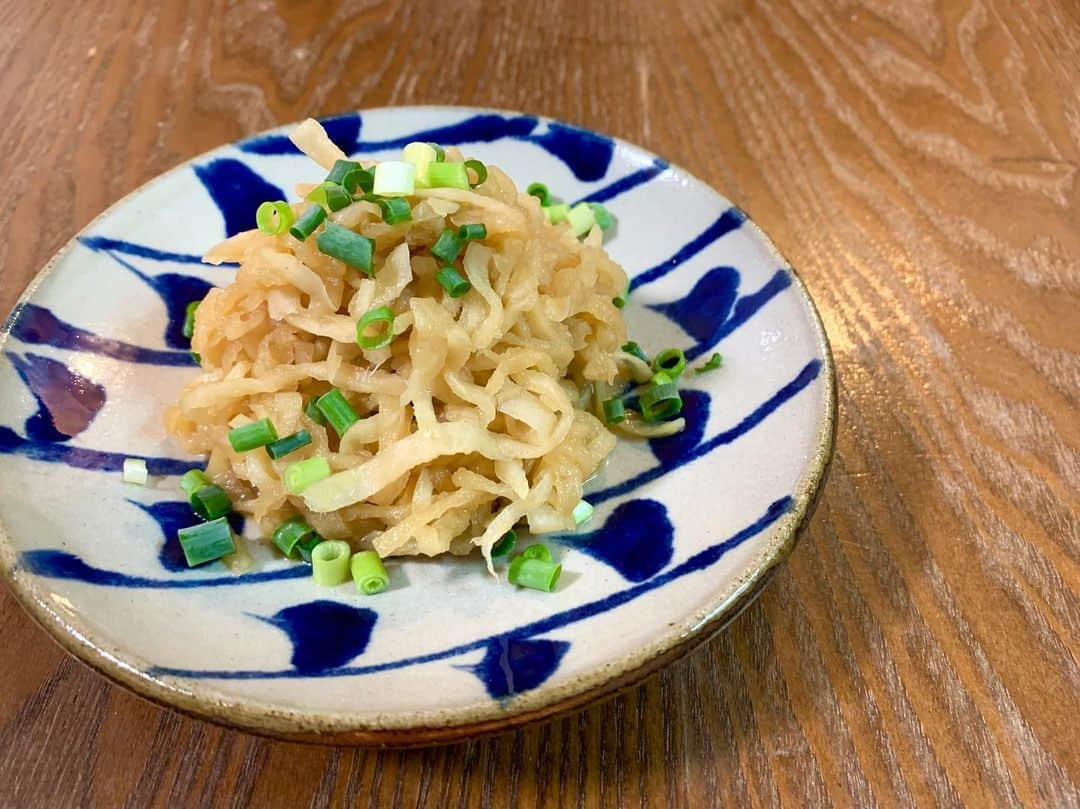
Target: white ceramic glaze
<point>450,649</point>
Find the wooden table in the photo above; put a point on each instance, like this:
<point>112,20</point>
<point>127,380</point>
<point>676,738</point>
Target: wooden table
<point>917,162</point>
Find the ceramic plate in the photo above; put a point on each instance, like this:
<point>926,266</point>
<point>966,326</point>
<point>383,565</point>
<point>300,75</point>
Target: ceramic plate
<point>685,532</point>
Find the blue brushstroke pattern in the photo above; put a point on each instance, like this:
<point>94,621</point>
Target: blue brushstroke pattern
<point>237,191</point>
<point>38,326</point>
<point>636,540</point>
<point>586,153</point>
<point>807,375</point>
<point>511,665</point>
<point>67,401</point>
<point>11,443</point>
<point>53,564</point>
<point>730,220</point>
<point>624,184</point>
<point>176,291</point>
<point>712,310</point>
<point>324,634</point>
<point>171,516</point>
<point>672,451</point>
<point>105,244</point>
<point>696,563</point>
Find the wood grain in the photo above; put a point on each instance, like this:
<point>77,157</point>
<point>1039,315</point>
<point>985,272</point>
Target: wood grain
<point>917,161</point>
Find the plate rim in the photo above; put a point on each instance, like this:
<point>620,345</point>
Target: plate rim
<point>419,728</point>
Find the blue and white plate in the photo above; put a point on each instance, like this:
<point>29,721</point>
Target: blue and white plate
<point>686,529</point>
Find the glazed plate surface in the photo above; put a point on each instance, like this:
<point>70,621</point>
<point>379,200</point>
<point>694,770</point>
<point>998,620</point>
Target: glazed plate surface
<point>686,529</point>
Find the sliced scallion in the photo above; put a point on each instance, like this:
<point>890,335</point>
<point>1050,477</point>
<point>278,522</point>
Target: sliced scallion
<point>505,544</point>
<point>306,545</point>
<point>252,436</point>
<point>452,281</point>
<point>557,213</point>
<point>582,512</point>
<point>540,191</point>
<point>447,246</point>
<point>369,573</point>
<point>300,475</point>
<point>330,195</point>
<point>337,411</point>
<point>394,178</point>
<point>440,152</point>
<point>344,245</point>
<point>661,401</point>
<point>330,562</point>
<point>290,443</point>
<point>620,300</point>
<point>189,319</point>
<point>420,155</point>
<point>211,502</point>
<point>394,210</point>
<point>312,411</point>
<point>376,317</point>
<point>602,216</point>
<point>536,574</point>
<point>614,411</point>
<point>289,533</point>
<point>310,219</point>
<point>193,480</point>
<point>475,231</point>
<point>357,180</point>
<point>207,541</point>
<point>274,218</point>
<point>635,350</point>
<point>135,471</point>
<point>715,361</point>
<point>479,169</point>
<point>447,175</point>
<point>581,218</point>
<point>537,551</point>
<point>671,361</point>
<point>341,170</point>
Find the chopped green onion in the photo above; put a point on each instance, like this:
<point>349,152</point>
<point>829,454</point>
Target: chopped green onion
<point>447,246</point>
<point>207,541</point>
<point>312,411</point>
<point>614,411</point>
<point>341,169</point>
<point>331,196</point>
<point>505,544</point>
<point>211,502</point>
<point>536,574</point>
<point>537,551</point>
<point>330,562</point>
<point>135,471</point>
<point>661,401</point>
<point>344,245</point>
<point>337,411</point>
<point>540,191</point>
<point>290,443</point>
<point>634,349</point>
<point>472,232</point>
<point>715,361</point>
<point>289,533</point>
<point>193,480</point>
<point>602,215</point>
<point>670,361</point>
<point>394,178</point>
<point>252,436</point>
<point>195,356</point>
<point>582,512</point>
<point>394,210</point>
<point>420,155</point>
<point>300,475</point>
<point>308,221</point>
<point>369,573</point>
<point>274,218</point>
<point>440,152</point>
<point>307,545</point>
<point>557,213</point>
<point>620,300</point>
<point>382,338</point>
<point>452,281</point>
<point>447,175</point>
<point>479,168</point>
<point>358,179</point>
<point>189,319</point>
<point>581,218</point>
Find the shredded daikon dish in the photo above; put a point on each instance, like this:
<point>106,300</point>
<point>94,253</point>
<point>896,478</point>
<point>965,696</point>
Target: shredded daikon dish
<point>414,359</point>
